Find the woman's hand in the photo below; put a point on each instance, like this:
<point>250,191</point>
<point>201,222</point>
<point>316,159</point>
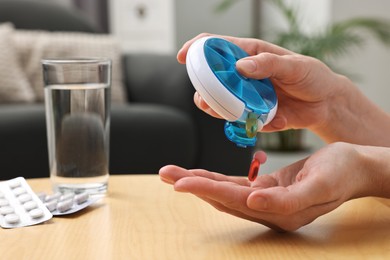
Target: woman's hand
<point>295,195</point>
<point>310,95</point>
<point>304,85</point>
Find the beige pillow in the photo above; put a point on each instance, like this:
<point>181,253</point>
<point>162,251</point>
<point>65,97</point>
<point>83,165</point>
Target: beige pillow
<point>14,86</point>
<point>33,46</point>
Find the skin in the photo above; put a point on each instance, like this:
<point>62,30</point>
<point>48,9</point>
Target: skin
<point>310,95</point>
<point>353,164</point>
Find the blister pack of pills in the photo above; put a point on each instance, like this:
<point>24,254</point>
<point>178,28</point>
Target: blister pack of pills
<point>66,203</point>
<point>20,206</point>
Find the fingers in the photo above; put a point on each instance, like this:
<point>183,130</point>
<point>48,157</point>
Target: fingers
<point>264,181</point>
<point>277,124</point>
<point>269,65</point>
<point>202,105</point>
<point>251,46</point>
<point>171,174</point>
<point>289,200</point>
<point>251,217</point>
<point>182,53</point>
<point>235,196</point>
<point>231,198</point>
<point>283,194</point>
<point>261,156</point>
<point>229,194</point>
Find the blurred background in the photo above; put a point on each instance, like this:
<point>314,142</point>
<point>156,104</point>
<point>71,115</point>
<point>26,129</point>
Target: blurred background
<point>162,26</point>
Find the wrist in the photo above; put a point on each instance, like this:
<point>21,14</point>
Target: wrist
<point>374,171</point>
<point>351,117</point>
<point>338,114</point>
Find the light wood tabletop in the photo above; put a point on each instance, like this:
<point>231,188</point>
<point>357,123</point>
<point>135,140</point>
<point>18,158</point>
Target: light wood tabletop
<point>143,218</point>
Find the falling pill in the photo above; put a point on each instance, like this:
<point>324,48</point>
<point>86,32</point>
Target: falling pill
<point>254,169</point>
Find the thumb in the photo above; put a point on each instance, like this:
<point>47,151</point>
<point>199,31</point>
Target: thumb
<point>266,65</point>
<point>290,199</point>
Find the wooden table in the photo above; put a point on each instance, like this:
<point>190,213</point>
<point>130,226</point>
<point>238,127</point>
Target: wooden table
<point>143,218</point>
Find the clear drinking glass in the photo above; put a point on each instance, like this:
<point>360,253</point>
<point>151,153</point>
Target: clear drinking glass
<point>77,101</point>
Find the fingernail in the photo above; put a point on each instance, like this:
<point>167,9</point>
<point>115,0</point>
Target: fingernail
<point>248,66</point>
<point>166,180</point>
<point>179,187</point>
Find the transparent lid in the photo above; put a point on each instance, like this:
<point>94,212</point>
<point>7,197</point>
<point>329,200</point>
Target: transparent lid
<point>258,96</point>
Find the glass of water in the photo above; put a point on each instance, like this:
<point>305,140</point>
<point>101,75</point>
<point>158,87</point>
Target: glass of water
<point>77,102</point>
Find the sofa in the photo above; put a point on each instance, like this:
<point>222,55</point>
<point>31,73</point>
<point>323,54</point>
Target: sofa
<point>158,124</point>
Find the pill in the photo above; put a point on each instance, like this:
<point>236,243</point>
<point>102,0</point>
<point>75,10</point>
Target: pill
<point>54,196</point>
<point>69,203</point>
<point>251,125</point>
<point>6,210</point>
<point>24,198</point>
<point>20,206</point>
<point>67,196</point>
<point>64,205</point>
<point>254,169</point>
<point>29,205</point>
<point>3,202</point>
<point>41,195</point>
<point>12,218</point>
<point>19,191</point>
<point>82,197</point>
<point>51,205</point>
<point>14,183</point>
<point>36,213</point>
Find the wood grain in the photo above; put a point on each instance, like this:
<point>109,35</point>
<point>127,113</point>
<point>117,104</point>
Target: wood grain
<point>143,218</point>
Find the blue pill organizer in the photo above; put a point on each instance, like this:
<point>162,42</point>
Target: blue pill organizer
<point>211,66</point>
